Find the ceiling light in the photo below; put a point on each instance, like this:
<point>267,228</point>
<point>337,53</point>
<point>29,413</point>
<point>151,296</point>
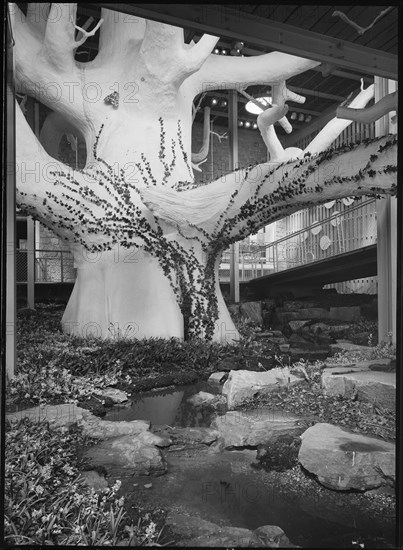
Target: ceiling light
<point>254,125</point>
<point>308,118</point>
<point>216,51</point>
<point>214,101</point>
<point>247,124</point>
<point>240,123</point>
<point>293,116</point>
<point>254,109</point>
<point>223,52</point>
<point>223,103</point>
<point>301,117</point>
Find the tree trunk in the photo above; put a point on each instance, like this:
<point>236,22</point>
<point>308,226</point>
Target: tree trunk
<point>121,293</point>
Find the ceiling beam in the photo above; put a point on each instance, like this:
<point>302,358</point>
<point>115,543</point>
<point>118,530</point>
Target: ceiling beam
<point>220,20</point>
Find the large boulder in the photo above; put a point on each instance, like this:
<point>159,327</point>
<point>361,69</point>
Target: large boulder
<point>242,385</point>
<point>360,382</point>
<point>58,416</point>
<point>196,532</point>
<point>205,399</point>
<point>115,395</point>
<point>344,460</point>
<point>252,311</point>
<point>130,452</point>
<point>106,429</point>
<point>192,436</point>
<point>255,427</point>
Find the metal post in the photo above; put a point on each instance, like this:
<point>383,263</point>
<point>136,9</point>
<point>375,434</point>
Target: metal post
<point>386,210</point>
<point>61,266</point>
<point>30,262</point>
<point>9,178</point>
<point>233,144</point>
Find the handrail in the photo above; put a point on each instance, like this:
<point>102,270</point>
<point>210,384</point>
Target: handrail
<point>319,223</point>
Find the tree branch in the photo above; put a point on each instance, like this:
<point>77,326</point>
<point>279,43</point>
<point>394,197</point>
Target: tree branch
<point>335,126</point>
<point>201,155</point>
<point>230,73</point>
<point>385,105</point>
<point>250,199</point>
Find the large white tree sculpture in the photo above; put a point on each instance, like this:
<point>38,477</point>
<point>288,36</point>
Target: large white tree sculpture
<point>146,241</point>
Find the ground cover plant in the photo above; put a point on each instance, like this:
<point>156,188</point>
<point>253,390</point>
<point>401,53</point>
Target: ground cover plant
<point>48,503</point>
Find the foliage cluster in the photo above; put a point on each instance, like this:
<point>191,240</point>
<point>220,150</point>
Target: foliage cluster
<point>48,503</point>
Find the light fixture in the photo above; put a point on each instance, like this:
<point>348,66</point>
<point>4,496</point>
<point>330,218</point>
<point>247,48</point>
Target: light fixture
<point>293,116</point>
<point>214,101</point>
<point>223,103</point>
<point>223,52</point>
<point>308,118</point>
<point>236,50</point>
<point>301,117</point>
<point>216,51</point>
<point>252,108</point>
<point>240,123</point>
<point>247,124</point>
<point>254,125</point>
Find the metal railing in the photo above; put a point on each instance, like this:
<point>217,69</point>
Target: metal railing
<point>51,266</point>
<point>342,232</point>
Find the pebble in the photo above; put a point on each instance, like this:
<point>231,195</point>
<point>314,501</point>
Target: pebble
<point>148,486</point>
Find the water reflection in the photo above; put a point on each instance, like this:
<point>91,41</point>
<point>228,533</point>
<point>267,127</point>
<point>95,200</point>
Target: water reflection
<point>168,407</point>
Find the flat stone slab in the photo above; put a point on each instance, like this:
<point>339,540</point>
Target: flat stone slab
<point>130,452</point>
<point>117,396</point>
<point>359,382</point>
<point>284,317</point>
<point>255,427</point>
<point>105,429</point>
<point>205,436</point>
<point>201,533</point>
<point>94,480</point>
<point>242,385</point>
<point>203,398</point>
<point>63,415</point>
<point>343,460</point>
<point>342,345</point>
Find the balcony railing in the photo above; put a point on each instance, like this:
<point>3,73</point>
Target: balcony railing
<point>342,232</point>
<point>51,266</point>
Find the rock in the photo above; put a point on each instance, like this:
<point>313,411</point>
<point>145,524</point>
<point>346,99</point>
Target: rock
<point>117,396</point>
<point>203,399</point>
<point>234,310</point>
<point>284,317</point>
<point>296,339</point>
<point>197,532</point>
<point>343,460</point>
<point>252,311</point>
<point>284,348</point>
<point>296,326</point>
<point>359,382</point>
<point>128,452</point>
<point>338,330</point>
<point>273,537</point>
<point>319,328</point>
<point>148,485</point>
<point>63,415</point>
<point>105,429</point>
<point>217,377</point>
<point>255,427</point>
<point>350,313</point>
<point>205,436</point>
<point>243,384</point>
<point>342,345</point>
<point>94,480</point>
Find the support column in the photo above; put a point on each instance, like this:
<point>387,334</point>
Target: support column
<point>9,209</point>
<point>386,210</point>
<point>233,144</point>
